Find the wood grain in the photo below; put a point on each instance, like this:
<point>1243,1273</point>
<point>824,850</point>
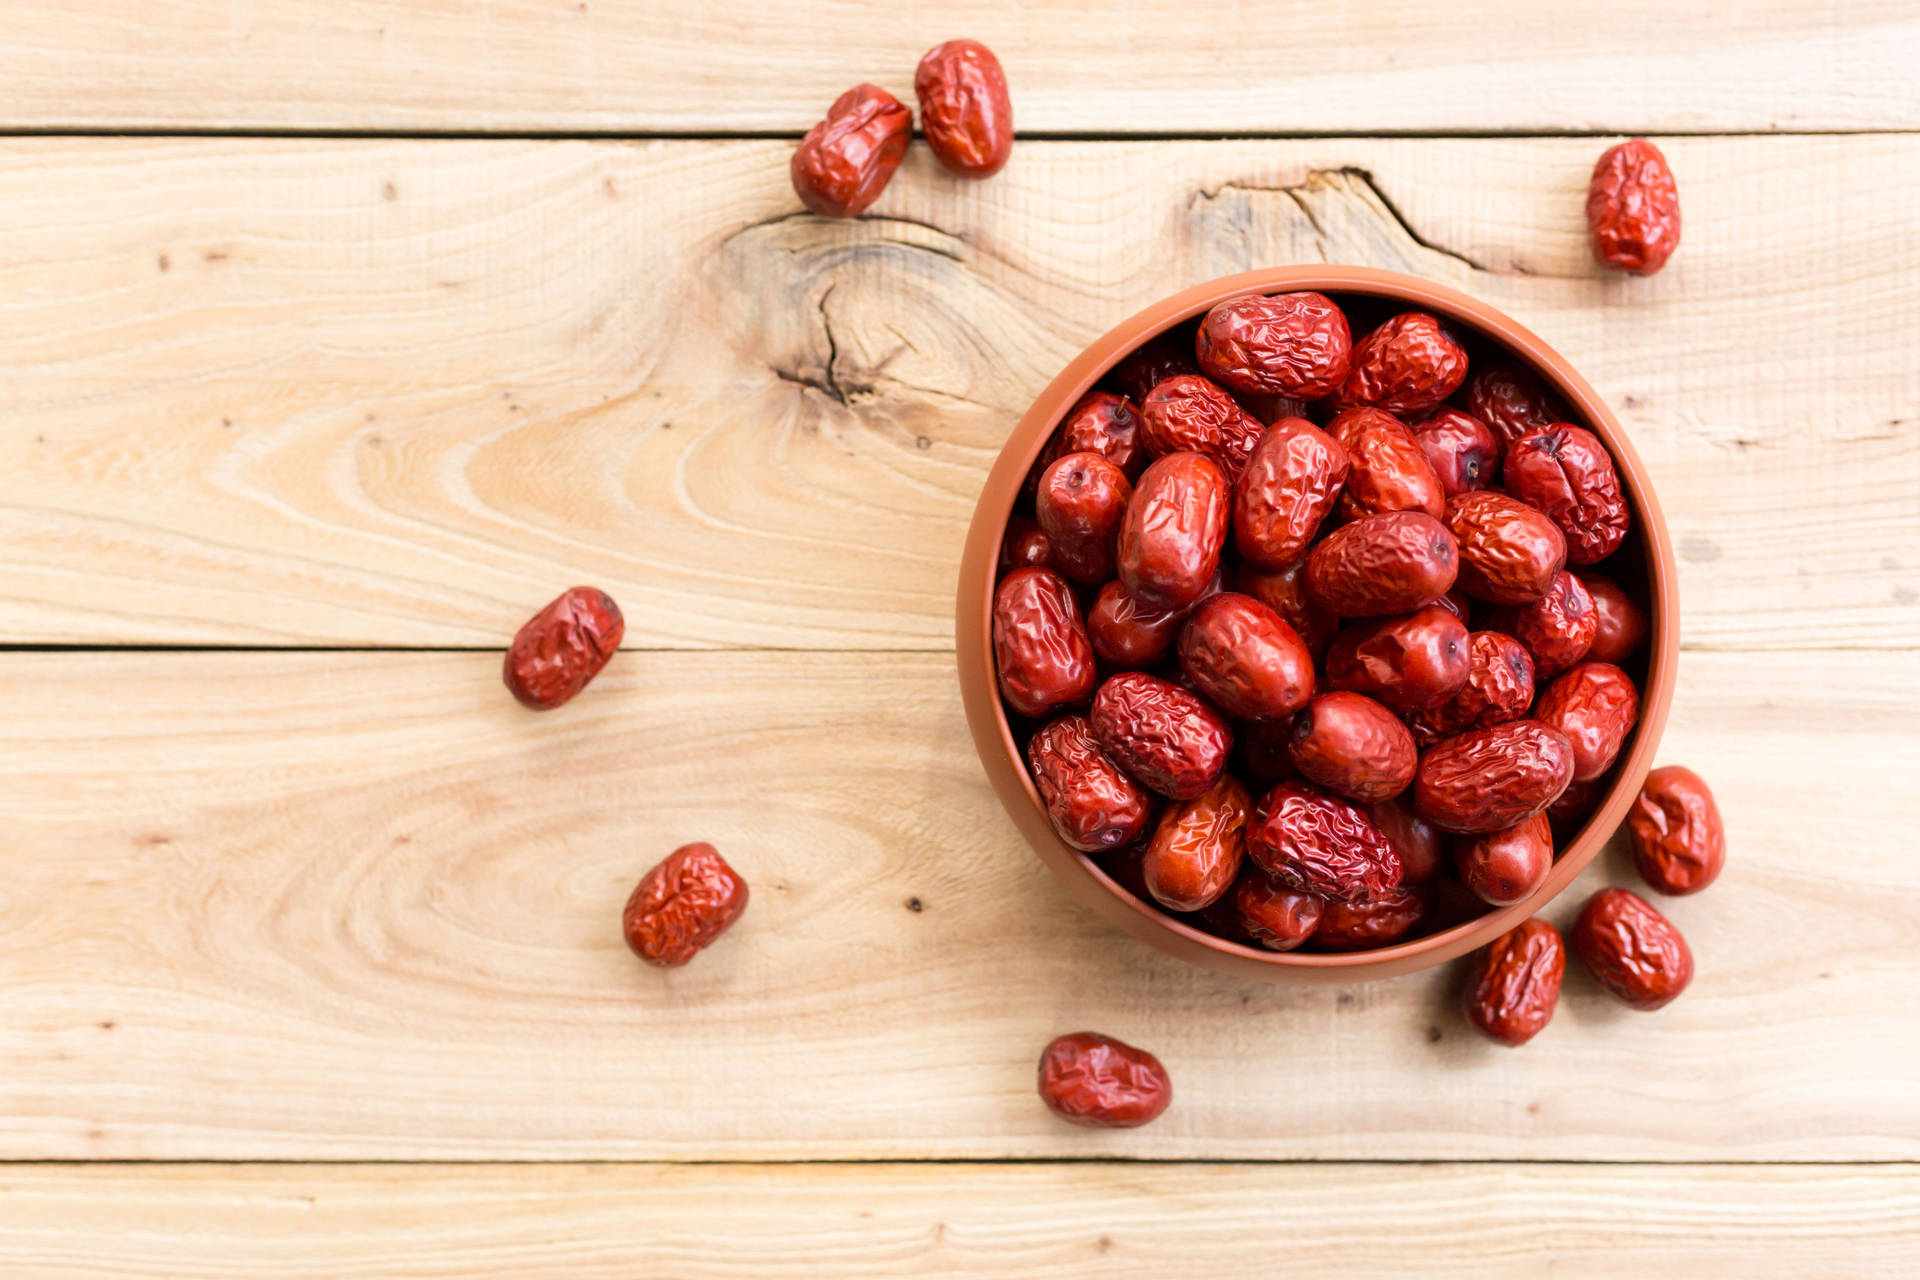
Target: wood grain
<point>400,393</point>
<point>1153,66</point>
<point>281,1222</point>
<point>359,906</point>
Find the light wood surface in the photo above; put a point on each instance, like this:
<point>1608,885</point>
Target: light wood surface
<point>1229,1220</point>
<point>1152,66</point>
<point>400,393</point>
<point>348,906</point>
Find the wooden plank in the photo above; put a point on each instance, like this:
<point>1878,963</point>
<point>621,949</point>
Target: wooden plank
<point>353,906</point>
<point>282,1222</point>
<point>1153,66</point>
<point>385,393</point>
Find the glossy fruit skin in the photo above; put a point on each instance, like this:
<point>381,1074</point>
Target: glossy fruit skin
<point>1406,365</point>
<point>1378,565</point>
<point>1080,503</point>
<point>1408,663</point>
<point>1620,626</point>
<point>1456,603</point>
<point>1354,747</point>
<point>682,905</point>
<point>1106,424</point>
<point>1166,738</point>
<point>1633,208</point>
<point>1101,1083</point>
<point>1596,706</point>
<point>1245,659</point>
<point>1317,843</point>
<point>1514,984</point>
<point>1275,918</point>
<point>1024,546</point>
<point>1288,489</point>
<point>1570,812</point>
<point>846,160</point>
<point>1499,688</point>
<point>1152,363</point>
<point>1419,844</point>
<point>560,649</point>
<point>1463,451</point>
<point>1127,637</point>
<point>1040,646</point>
<point>1505,867</point>
<point>1679,842</point>
<point>1509,552</point>
<point>1631,949</point>
<point>1377,922</point>
<point>1388,470</point>
<point>1173,531</point>
<point>1092,804</point>
<point>965,111</point>
<point>1285,592</point>
<point>1192,414</point>
<point>1196,850</point>
<point>1490,779</point>
<point>1289,344</point>
<point>1512,401</point>
<point>1566,472</point>
<point>1557,629</point>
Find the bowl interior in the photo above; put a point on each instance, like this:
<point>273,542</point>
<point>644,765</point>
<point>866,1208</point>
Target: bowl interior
<point>1643,567</point>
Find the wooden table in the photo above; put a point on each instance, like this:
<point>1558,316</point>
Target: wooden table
<point>336,338</point>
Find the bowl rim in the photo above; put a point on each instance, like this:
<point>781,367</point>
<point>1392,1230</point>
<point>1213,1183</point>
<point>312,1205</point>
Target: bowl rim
<point>993,735</point>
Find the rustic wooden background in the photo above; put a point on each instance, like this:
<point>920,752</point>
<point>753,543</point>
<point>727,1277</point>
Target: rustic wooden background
<point>336,338</point>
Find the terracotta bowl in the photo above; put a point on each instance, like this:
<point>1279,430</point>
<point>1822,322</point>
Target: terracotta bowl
<point>1644,567</point>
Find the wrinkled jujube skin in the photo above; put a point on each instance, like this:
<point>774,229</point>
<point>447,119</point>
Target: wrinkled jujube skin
<point>1619,625</point>
<point>1509,552</point>
<point>1285,592</point>
<point>1265,750</point>
<point>1275,918</point>
<point>1566,472</point>
<point>1631,949</point>
<point>1173,531</point>
<point>1108,425</point>
<point>1127,637</point>
<point>1245,658</point>
<point>1192,414</point>
<point>1024,546</point>
<point>1408,663</point>
<point>1679,842</point>
<point>1378,565</point>
<point>1505,867</point>
<point>965,111</point>
<point>1290,344</point>
<point>846,160</point>
<point>1596,706</point>
<point>1406,365</point>
<point>1514,984</point>
<point>1376,922</point>
<point>1417,841</point>
<point>1080,503</point>
<point>1092,804</point>
<point>1040,646</point>
<point>1493,778</point>
<point>1557,628</point>
<point>682,905</point>
<point>1456,603</point>
<point>1317,843</point>
<point>1570,812</point>
<point>1168,355</point>
<point>1165,737</point>
<point>1499,688</point>
<point>1354,747</point>
<point>1288,489</point>
<point>1633,208</point>
<point>1387,468</point>
<point>1462,450</point>
<point>1101,1083</point>
<point>563,647</point>
<point>1196,850</point>
<point>1512,401</point>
